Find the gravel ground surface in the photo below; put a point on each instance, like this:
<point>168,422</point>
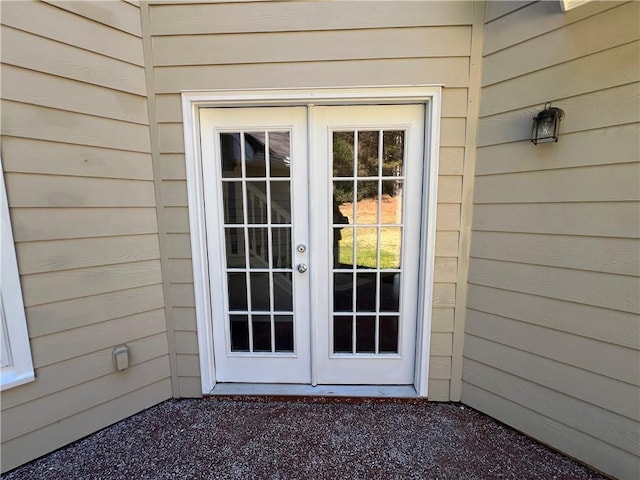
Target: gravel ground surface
<point>305,439</point>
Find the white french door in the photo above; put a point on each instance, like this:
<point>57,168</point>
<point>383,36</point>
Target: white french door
<point>313,218</point>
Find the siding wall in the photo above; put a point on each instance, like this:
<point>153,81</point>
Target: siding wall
<point>78,170</point>
<point>552,329</point>
<point>309,44</point>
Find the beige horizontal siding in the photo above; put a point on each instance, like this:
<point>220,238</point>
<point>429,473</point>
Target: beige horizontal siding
<point>69,373</point>
<point>552,343</point>
<point>50,256</point>
<point>276,16</point>
<point>606,219</point>
<point>32,224</point>
<point>44,157</point>
<point>81,32</point>
<point>621,363</point>
<point>49,287</point>
<point>76,155</point>
<point>27,121</point>
<point>496,10</point>
<point>118,15</point>
<point>603,146</point>
<point>617,292</point>
<point>79,312</point>
<point>71,95</point>
<point>32,190</point>
<point>594,110</point>
<point>606,69</point>
<point>582,384</point>
<point>582,184</point>
<point>451,71</point>
<point>621,24</point>
<point>611,326</point>
<point>231,49</point>
<point>608,255</point>
<point>536,19</point>
<point>22,49</point>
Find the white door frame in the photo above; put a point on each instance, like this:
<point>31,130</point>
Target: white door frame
<point>192,101</point>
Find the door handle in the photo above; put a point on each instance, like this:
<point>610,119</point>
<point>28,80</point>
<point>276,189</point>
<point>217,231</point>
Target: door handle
<point>302,267</point>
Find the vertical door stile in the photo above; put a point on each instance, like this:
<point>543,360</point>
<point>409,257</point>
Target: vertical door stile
<point>315,262</point>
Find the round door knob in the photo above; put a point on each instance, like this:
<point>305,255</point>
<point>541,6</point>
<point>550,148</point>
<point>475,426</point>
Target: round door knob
<point>302,267</point>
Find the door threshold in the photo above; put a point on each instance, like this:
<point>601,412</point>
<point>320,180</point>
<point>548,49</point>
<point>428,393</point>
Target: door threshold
<point>284,390</point>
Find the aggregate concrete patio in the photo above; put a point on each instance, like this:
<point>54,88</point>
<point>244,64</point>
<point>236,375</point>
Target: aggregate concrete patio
<point>260,438</point>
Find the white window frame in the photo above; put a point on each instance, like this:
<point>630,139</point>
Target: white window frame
<point>15,338</point>
<point>192,101</point>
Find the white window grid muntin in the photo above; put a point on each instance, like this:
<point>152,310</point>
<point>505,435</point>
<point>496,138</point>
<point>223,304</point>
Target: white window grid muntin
<point>378,225</point>
<point>249,269</point>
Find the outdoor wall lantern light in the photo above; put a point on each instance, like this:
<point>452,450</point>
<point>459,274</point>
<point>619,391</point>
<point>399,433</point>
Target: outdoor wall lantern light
<point>546,125</point>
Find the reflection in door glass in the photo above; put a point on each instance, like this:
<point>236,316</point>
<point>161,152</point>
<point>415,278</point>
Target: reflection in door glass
<point>368,154</point>
<point>367,240</point>
<point>279,154</point>
<point>343,154</point>
<point>256,194</point>
<point>234,246</point>
<point>393,159</point>
<point>232,201</point>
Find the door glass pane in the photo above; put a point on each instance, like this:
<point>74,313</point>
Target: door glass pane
<point>388,335</point>
<point>257,202</point>
<point>343,292</point>
<point>342,334</point>
<point>390,247</point>
<point>279,154</point>
<point>389,292</point>
<point>280,202</point>
<point>367,240</point>
<point>254,145</point>
<point>231,155</point>
<point>232,202</point>
<point>343,154</point>
<point>393,153</point>
<point>284,333</point>
<point>367,207</point>
<point>237,290</point>
<point>366,334</point>
<point>367,247</point>
<point>368,154</point>
<point>261,333</point>
<point>366,293</point>
<point>260,291</point>
<point>282,292</point>
<point>281,245</point>
<point>239,333</point>
<point>234,247</point>
<point>258,247</point>
<point>391,209</point>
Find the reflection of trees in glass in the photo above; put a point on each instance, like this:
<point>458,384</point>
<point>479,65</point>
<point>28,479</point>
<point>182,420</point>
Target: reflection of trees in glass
<point>367,162</point>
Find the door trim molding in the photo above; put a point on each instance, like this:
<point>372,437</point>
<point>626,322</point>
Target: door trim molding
<point>428,95</point>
